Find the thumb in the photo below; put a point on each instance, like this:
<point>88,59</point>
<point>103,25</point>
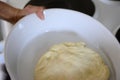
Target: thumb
<point>40,14</point>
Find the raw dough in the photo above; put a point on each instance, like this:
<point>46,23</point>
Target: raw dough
<point>71,61</point>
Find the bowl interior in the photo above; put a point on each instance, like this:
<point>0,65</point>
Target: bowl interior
<point>32,37</point>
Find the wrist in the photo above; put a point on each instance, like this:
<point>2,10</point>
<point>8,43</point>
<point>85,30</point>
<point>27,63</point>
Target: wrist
<point>14,17</point>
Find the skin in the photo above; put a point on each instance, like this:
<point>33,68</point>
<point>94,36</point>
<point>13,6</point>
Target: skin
<point>12,14</point>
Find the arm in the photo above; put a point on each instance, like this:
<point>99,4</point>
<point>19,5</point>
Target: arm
<point>12,14</point>
<point>8,12</point>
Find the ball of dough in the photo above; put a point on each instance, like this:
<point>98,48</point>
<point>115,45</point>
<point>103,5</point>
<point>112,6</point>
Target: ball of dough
<point>71,61</point>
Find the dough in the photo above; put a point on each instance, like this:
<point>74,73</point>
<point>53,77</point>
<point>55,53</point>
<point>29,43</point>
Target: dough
<point>71,61</point>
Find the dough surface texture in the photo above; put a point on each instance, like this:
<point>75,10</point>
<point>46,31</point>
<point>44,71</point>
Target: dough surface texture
<point>71,61</point>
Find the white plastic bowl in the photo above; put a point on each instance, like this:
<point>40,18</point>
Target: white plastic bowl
<point>32,37</point>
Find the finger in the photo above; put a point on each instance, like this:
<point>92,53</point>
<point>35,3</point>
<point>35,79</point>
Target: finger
<point>40,14</point>
<point>35,9</point>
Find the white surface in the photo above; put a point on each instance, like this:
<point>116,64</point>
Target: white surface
<point>108,13</point>
<point>2,60</point>
<point>32,37</point>
<point>1,46</point>
<point>5,28</point>
<point>17,3</point>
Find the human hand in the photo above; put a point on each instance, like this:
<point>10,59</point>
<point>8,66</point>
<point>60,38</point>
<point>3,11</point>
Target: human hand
<point>12,14</point>
<point>28,10</point>
<point>34,9</point>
